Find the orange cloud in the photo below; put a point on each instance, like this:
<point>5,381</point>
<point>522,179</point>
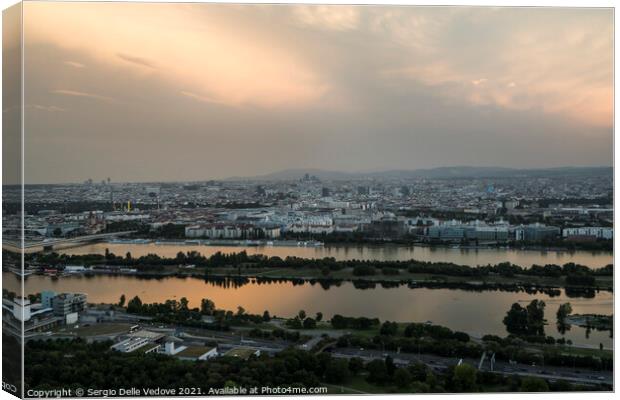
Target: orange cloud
<point>337,18</point>
<point>559,63</point>
<point>189,49</point>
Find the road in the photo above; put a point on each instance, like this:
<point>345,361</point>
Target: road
<point>439,363</point>
<point>197,336</point>
<point>434,362</point>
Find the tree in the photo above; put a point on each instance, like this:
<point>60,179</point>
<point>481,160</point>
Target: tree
<point>301,315</point>
<point>414,330</point>
<point>121,301</point>
<point>516,319</point>
<point>184,304</point>
<point>536,317</point>
<point>309,323</point>
<point>526,321</point>
<point>531,384</point>
<point>207,307</point>
<point>564,310</point>
<point>319,316</point>
<point>134,305</point>
<point>180,257</point>
<point>356,364</point>
<point>240,311</point>
<point>266,316</point>
<point>128,256</point>
<point>390,367</point>
<point>294,323</point>
<point>377,371</point>
<point>402,377</point>
<point>418,371</point>
<point>389,328</point>
<point>464,378</point>
<point>431,379</point>
<point>337,370</point>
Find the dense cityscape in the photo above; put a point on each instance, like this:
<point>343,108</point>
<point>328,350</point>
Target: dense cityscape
<point>552,207</point>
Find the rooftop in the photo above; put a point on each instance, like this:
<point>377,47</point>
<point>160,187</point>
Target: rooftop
<point>240,352</point>
<point>194,351</point>
<point>146,334</point>
<point>147,348</point>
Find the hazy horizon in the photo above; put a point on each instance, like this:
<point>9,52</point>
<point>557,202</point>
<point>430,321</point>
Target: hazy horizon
<point>189,92</point>
<point>299,172</point>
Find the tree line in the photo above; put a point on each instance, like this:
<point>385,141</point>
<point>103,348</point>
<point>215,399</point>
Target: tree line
<point>577,273</point>
<point>72,364</point>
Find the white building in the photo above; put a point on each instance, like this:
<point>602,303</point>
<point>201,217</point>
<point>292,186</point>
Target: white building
<point>74,269</point>
<point>131,344</point>
<point>591,231</point>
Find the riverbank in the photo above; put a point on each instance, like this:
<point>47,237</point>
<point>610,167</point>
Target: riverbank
<point>386,252</point>
<point>474,311</point>
<point>591,321</point>
<point>320,242</point>
<point>412,272</point>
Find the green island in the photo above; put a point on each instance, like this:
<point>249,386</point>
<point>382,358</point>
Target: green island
<point>505,275</point>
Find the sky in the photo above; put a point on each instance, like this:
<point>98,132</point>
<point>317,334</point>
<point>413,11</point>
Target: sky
<point>160,92</point>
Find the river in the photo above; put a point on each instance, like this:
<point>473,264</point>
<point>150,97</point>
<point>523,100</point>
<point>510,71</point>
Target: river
<point>477,313</point>
<point>524,258</point>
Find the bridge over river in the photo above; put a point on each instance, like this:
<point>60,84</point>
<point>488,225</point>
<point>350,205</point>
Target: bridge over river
<point>49,244</point>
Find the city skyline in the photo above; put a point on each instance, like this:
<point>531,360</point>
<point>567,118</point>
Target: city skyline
<point>293,174</point>
<point>189,92</point>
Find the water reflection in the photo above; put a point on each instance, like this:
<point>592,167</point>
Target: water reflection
<point>477,312</point>
<point>524,258</point>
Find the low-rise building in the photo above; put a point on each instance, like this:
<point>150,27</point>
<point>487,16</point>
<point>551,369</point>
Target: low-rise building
<point>68,303</point>
<point>34,317</point>
<point>242,352</point>
<point>589,231</point>
<point>130,344</point>
<point>197,353</point>
<point>536,232</point>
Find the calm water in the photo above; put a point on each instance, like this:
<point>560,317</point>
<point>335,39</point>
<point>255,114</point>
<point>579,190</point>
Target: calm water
<point>524,258</point>
<point>473,312</point>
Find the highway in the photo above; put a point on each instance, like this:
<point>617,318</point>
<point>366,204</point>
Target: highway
<point>229,339</point>
<point>439,363</point>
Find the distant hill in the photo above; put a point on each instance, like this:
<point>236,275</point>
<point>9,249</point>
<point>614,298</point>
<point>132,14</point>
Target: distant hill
<point>431,173</point>
<point>298,173</point>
